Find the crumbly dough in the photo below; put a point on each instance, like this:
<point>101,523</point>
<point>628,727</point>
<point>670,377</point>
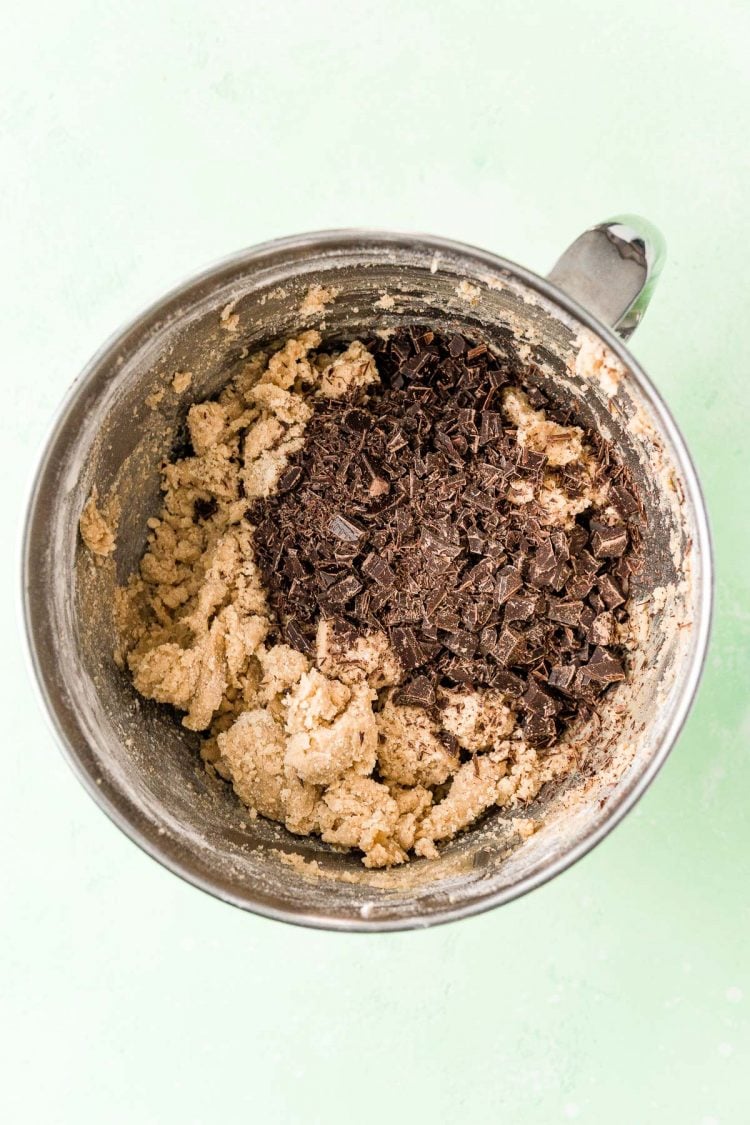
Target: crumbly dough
<point>315,300</point>
<point>561,445</point>
<point>318,742</point>
<point>97,530</point>
<point>465,291</point>
<point>181,381</point>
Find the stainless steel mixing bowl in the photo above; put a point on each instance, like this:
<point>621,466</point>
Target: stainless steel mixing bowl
<point>133,756</point>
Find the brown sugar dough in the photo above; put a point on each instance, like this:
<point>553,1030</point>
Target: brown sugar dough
<point>97,530</point>
<point>410,751</point>
<point>253,750</point>
<point>559,444</point>
<point>369,657</point>
<point>479,719</point>
<point>317,741</point>
<point>331,729</point>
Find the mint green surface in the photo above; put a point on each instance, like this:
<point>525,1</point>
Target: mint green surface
<point>142,141</point>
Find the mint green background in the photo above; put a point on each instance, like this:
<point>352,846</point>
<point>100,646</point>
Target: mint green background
<point>141,141</point>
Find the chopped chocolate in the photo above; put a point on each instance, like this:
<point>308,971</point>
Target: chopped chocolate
<point>508,581</point>
<point>579,586</point>
<point>289,478</point>
<point>419,692</point>
<point>462,643</point>
<point>345,590</point>
<point>565,612</point>
<point>447,620</point>
<point>399,515</point>
<point>540,729</point>
<point>624,500</point>
<point>543,566</point>
<point>609,591</point>
<point>585,563</point>
<point>562,676</point>
<point>406,646</point>
<point>378,570</point>
<point>604,667</point>
<point>476,352</point>
<point>538,701</point>
<point>509,647</point>
<point>602,629</point>
<point>345,530</point>
<point>608,541</point>
<point>577,539</point>
<point>520,607</point>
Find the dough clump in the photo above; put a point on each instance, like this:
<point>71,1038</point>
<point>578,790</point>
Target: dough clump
<point>315,740</point>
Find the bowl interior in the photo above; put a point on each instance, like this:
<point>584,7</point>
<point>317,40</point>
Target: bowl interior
<point>136,758</point>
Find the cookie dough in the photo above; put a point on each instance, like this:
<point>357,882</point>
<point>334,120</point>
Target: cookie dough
<point>97,531</point>
<point>314,739</point>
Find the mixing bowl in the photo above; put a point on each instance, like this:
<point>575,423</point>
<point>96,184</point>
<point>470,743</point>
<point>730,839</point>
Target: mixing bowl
<point>136,760</point>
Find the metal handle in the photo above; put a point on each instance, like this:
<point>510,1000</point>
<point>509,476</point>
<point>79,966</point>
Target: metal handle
<point>612,270</point>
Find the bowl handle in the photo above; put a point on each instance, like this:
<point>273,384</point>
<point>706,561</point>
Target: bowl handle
<point>612,270</point>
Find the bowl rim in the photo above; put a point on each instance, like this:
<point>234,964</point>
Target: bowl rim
<point>128,817</point>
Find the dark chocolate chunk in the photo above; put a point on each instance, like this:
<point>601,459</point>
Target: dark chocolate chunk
<point>577,539</point>
<point>476,352</point>
<point>510,645</point>
<point>561,676</point>
<point>579,586</point>
<point>289,478</point>
<point>623,499</point>
<point>601,631</point>
<point>477,613</point>
<point>560,544</point>
<point>462,642</point>
<point>296,637</point>
<point>406,646</point>
<point>508,581</point>
<point>604,667</point>
<point>490,426</point>
<point>543,566</point>
<point>419,692</point>
<point>447,620</point>
<point>585,563</point>
<point>521,607</point>
<point>345,530</point>
<point>507,681</point>
<point>566,612</point>
<point>596,602</point>
<point>538,701</point>
<point>608,541</point>
<point>540,730</point>
<point>293,566</point>
<point>609,591</point>
<point>460,670</point>
<point>378,570</point>
<point>488,640</point>
<point>344,590</point>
